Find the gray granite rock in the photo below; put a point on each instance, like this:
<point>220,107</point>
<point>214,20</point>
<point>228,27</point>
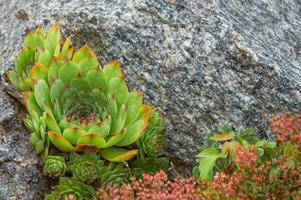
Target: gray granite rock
<point>201,62</point>
<point>18,164</point>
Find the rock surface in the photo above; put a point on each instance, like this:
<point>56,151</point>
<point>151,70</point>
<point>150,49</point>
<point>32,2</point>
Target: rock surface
<point>201,62</point>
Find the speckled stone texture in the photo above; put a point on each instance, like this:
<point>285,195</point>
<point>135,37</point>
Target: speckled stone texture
<point>202,62</point>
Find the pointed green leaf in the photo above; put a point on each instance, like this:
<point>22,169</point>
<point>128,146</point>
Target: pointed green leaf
<point>108,120</point>
<point>87,64</point>
<point>101,129</point>
<point>24,61</point>
<point>97,80</point>
<point>57,110</point>
<point>52,39</point>
<point>83,53</point>
<point>42,130</point>
<point>134,103</point>
<point>118,154</point>
<point>65,47</point>
<point>34,138</point>
<point>64,123</point>
<point>92,139</point>
<point>25,84</point>
<point>40,36</point>
<point>44,58</point>
<point>112,107</point>
<point>112,70</point>
<point>28,123</point>
<point>118,87</point>
<point>39,71</point>
<point>72,134</point>
<point>41,92</point>
<point>31,104</point>
<point>68,71</point>
<point>54,69</point>
<point>132,133</point>
<point>70,53</point>
<point>57,49</point>
<point>115,139</point>
<point>60,142</point>
<point>118,124</point>
<point>51,122</point>
<point>39,146</point>
<point>13,78</point>
<point>135,131</point>
<point>56,90</point>
<point>36,121</point>
<point>30,40</point>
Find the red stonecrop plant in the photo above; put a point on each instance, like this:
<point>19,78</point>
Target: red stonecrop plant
<point>287,128</point>
<point>274,180</point>
<point>246,157</point>
<point>231,185</point>
<point>277,178</point>
<point>152,187</point>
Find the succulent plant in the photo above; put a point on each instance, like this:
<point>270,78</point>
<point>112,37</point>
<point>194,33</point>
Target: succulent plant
<point>55,166</point>
<point>152,141</point>
<point>70,189</point>
<point>75,104</point>
<point>114,173</point>
<point>37,125</point>
<point>86,168</point>
<point>89,168</point>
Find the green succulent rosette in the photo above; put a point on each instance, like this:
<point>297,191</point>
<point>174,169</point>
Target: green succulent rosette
<point>86,168</point>
<point>69,188</point>
<point>152,141</point>
<point>75,105</point>
<point>89,169</point>
<point>37,125</point>
<point>114,173</point>
<point>55,166</point>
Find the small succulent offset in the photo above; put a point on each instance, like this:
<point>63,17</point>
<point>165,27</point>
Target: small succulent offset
<point>75,105</point>
<point>151,142</point>
<point>86,168</point>
<point>70,189</point>
<point>90,169</point>
<point>55,166</point>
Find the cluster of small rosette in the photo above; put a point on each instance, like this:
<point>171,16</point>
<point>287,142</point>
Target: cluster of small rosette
<point>83,119</point>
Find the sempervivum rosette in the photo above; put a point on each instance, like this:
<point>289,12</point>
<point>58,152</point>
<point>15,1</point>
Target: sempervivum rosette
<point>55,166</point>
<point>71,189</point>
<point>75,104</point>
<point>152,141</point>
<point>88,168</point>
